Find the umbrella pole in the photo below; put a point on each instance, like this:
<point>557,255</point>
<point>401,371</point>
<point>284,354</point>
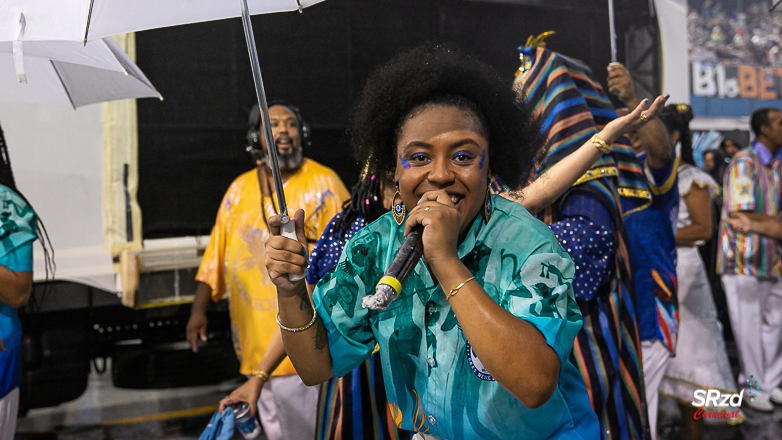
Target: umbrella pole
<point>612,28</point>
<point>264,105</point>
<point>288,228</point>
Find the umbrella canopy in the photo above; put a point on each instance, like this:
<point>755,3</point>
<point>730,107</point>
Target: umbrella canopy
<point>24,21</point>
<point>67,72</point>
<point>80,20</point>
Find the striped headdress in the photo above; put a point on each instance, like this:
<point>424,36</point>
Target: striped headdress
<point>573,106</point>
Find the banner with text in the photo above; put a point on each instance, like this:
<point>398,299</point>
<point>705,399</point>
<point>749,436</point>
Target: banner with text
<point>720,90</point>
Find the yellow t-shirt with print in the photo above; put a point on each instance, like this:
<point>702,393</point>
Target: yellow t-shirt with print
<point>233,262</point>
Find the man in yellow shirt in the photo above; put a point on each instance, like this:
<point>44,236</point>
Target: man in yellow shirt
<point>233,266</point>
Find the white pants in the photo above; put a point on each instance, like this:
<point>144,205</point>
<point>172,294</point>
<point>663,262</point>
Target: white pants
<point>655,358</point>
<point>288,408</point>
<point>755,309</point>
<point>9,407</point>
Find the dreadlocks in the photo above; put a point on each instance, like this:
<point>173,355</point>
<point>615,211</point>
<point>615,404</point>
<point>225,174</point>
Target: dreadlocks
<point>7,179</point>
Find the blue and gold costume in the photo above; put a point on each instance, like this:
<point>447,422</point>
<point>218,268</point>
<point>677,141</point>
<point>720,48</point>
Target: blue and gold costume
<point>589,222</point>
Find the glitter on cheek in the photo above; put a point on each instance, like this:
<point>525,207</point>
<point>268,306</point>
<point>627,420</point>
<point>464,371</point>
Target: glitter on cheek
<point>483,159</point>
<point>405,163</point>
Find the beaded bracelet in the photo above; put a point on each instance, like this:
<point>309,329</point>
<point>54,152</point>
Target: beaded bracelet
<point>300,329</point>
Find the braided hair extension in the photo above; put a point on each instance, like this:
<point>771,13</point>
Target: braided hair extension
<point>677,117</point>
<point>7,179</point>
<point>366,201</point>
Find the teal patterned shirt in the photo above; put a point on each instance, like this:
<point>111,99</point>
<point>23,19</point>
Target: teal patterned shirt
<point>434,381</point>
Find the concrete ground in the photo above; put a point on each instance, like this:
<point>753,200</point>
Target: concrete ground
<point>104,412</point>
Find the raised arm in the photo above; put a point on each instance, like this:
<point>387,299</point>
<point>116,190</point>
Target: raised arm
<point>657,144</point>
<point>552,184</point>
<point>308,347</point>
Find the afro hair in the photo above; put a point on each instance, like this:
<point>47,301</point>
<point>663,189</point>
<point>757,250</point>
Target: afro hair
<point>436,74</point>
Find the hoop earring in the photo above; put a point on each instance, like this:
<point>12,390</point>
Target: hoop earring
<point>488,205</point>
<point>398,208</point>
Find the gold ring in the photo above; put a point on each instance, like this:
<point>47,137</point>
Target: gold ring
<point>644,117</point>
<point>426,209</point>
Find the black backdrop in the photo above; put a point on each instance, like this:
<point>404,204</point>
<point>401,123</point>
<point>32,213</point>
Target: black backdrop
<point>191,145</point>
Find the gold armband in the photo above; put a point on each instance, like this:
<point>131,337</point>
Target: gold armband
<point>600,145</point>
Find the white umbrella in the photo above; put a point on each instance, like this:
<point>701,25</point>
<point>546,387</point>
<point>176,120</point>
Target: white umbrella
<point>67,72</point>
<point>77,20</point>
<point>84,20</point>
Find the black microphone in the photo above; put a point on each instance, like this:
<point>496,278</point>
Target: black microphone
<point>401,267</point>
<point>774,6</point>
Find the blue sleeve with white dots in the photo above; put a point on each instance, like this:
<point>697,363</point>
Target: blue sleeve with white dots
<point>320,260</point>
<point>586,231</point>
<point>325,255</point>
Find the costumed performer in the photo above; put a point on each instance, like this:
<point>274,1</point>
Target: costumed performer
<point>427,117</point>
<point>588,220</point>
<point>493,281</point>
<point>348,403</point>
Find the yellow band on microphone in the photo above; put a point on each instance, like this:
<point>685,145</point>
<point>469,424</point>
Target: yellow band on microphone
<point>391,282</point>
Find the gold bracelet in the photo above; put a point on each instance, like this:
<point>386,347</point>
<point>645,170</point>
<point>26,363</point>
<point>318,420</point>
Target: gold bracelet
<point>600,145</point>
<point>300,329</point>
<point>455,290</point>
<point>260,374</point>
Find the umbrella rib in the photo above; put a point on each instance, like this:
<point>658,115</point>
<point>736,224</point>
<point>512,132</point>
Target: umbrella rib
<point>64,87</point>
<point>89,19</point>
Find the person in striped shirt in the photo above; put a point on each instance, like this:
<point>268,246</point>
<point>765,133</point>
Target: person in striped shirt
<point>750,263</point>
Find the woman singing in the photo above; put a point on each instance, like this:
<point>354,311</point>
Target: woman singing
<point>476,345</point>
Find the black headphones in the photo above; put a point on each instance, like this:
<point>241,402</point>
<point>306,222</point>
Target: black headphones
<point>254,146</point>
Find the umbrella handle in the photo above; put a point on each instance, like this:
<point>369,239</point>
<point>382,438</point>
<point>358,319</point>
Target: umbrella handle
<point>288,230</point>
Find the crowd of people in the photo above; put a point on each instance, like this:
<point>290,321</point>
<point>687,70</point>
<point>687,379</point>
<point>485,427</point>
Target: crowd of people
<point>560,289</point>
<point>718,32</point>
<point>612,308</point>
